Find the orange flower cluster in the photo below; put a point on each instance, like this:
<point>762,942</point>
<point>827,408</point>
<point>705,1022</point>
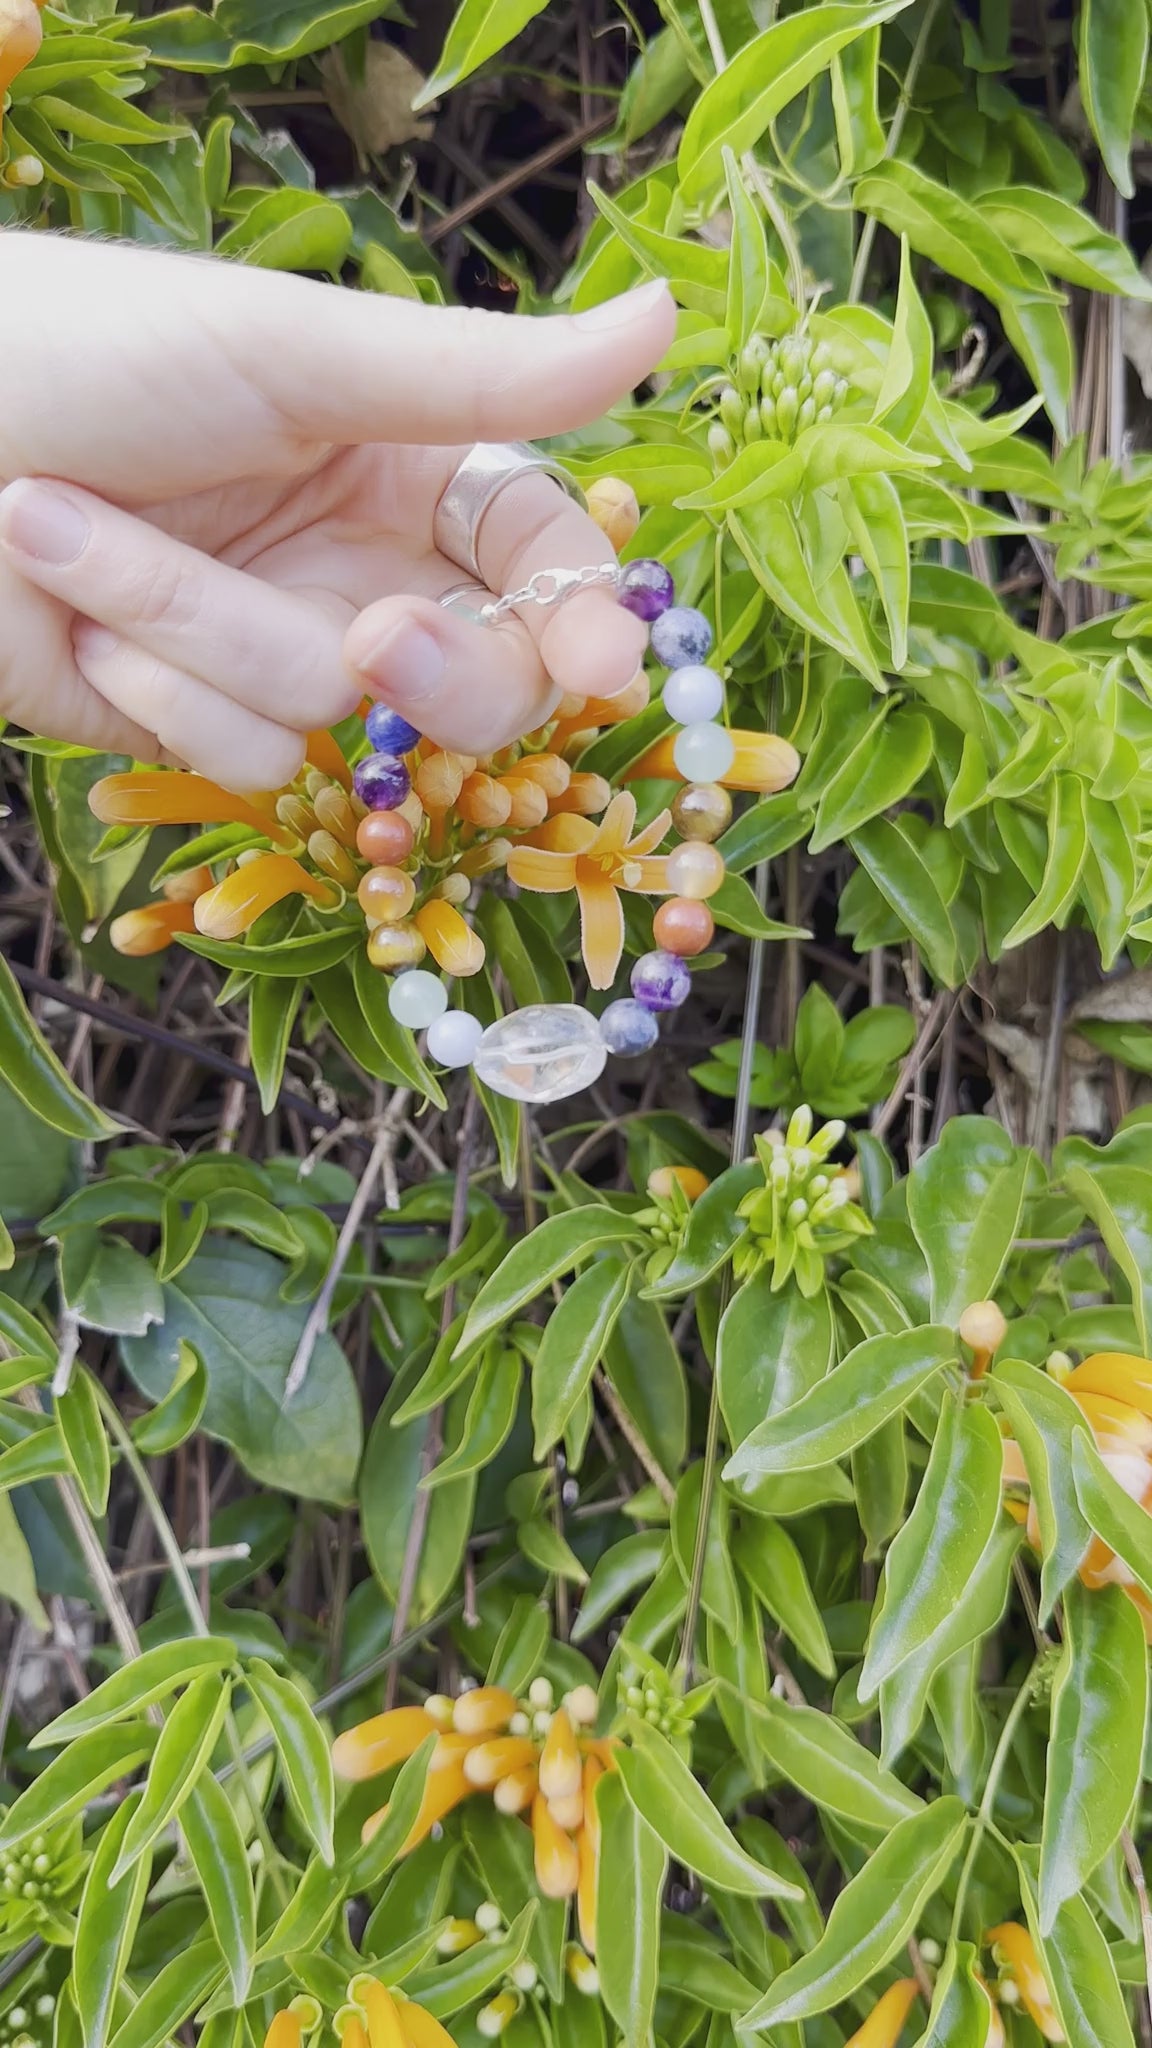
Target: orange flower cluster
<point>533,1758</point>
<point>1113,1390</point>
<point>374,2017</point>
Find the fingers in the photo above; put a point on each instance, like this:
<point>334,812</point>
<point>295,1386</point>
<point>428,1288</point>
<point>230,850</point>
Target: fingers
<point>196,371</point>
<point>474,688</point>
<point>266,648</point>
<point>197,725</point>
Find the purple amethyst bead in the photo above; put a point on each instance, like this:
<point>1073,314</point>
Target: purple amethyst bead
<point>660,981</point>
<point>682,638</point>
<point>382,782</point>
<point>628,1029</point>
<point>646,590</point>
<point>388,733</point>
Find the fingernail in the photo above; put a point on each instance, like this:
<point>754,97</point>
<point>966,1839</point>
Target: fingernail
<point>42,523</point>
<point>618,312</point>
<point>406,662</point>
<point>92,641</point>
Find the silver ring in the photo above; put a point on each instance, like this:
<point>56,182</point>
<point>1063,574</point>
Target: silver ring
<point>486,470</point>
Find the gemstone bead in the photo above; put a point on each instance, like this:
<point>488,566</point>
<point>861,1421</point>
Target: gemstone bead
<point>702,811</point>
<point>388,733</point>
<point>628,1029</point>
<point>543,1053</point>
<point>384,838</point>
<point>417,998</point>
<point>660,981</point>
<point>682,637</point>
<point>392,947</point>
<point>646,590</point>
<point>381,781</point>
<point>454,1037</point>
<point>386,895</point>
<point>684,927</point>
<point>695,869</point>
<point>693,694</point>
<point>703,752</point>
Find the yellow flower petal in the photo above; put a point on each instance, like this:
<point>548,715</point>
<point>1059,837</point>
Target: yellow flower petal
<point>533,867</point>
<point>150,929</point>
<point>617,825</point>
<point>1013,1947</point>
<point>1116,1373</point>
<point>451,941</point>
<point>652,879</point>
<point>381,2012</point>
<point>375,1745</point>
<point>557,1858</point>
<point>601,931</point>
<point>232,907</point>
<point>420,2029</point>
<point>486,1710</point>
<point>649,839</point>
<point>321,751</point>
<point>164,796</point>
<point>561,1768</point>
<point>885,2023</point>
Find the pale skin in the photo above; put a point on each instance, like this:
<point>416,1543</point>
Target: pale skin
<point>218,495</point>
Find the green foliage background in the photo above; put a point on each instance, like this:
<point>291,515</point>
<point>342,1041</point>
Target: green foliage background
<point>544,1428</point>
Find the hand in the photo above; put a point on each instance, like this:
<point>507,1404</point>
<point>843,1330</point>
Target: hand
<point>268,456</point>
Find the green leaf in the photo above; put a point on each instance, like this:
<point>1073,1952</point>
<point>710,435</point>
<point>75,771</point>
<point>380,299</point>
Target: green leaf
<point>1116,1519</point>
<point>748,268</point>
<point>572,1345</point>
<point>393,1466</point>
<point>310,1909</point>
<point>178,1415</point>
<point>544,1546</point>
<point>488,1422</point>
<point>305,1758</point>
<point>108,1286</point>
<point>17,1569</point>
<point>1113,51</point>
<point>819,1756</point>
<point>1118,1198</point>
<point>666,1795</point>
<point>1099,1711</point>
<point>871,1919</point>
<point>719,1592</point>
<point>82,1429</point>
<point>619,1572</point>
<point>962,2010</point>
<point>871,505</point>
<point>66,1785</point>
<point>629,1889</point>
<point>480,29</point>
<point>1064,240</point>
<point>395,1041</point>
<point>1045,1421</point>
<point>904,1696</point>
<point>774,1569</point>
<point>185,1747</point>
<point>772,1349</point>
<point>227,1305</point>
<point>253,32</point>
<point>447,1990</point>
<point>1080,1971</point>
<point>1067,851</point>
<point>554,1247</point>
<point>876,1380</point>
<point>305,954</point>
<point>931,1562</point>
<point>943,225</point>
<point>646,1372</point>
<point>881,771</point>
<point>217,1848</point>
<point>501,1849</point>
<point>106,1924</point>
<point>272,1008</point>
<point>32,1070</point>
<point>172,1997</point>
<point>900,872</point>
<point>714,1229</point>
<point>965,1200</point>
<point>290,230</point>
<point>736,109</point>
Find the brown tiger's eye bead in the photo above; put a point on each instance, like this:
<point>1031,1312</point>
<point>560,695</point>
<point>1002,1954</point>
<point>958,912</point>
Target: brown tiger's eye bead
<point>702,810</point>
<point>384,837</point>
<point>386,895</point>
<point>683,927</point>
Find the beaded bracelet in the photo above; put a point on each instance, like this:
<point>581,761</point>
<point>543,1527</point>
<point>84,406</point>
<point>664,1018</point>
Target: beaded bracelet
<point>548,1051</point>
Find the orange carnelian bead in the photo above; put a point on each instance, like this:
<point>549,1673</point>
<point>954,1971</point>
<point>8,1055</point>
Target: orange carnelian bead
<point>695,869</point>
<point>386,894</point>
<point>384,837</point>
<point>683,926</point>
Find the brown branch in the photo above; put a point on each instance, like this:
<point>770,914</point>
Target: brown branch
<point>520,174</point>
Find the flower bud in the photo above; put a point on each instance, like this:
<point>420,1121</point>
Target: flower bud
<point>732,409</point>
<point>484,802</point>
<point>582,1972</point>
<point>150,929</point>
<point>583,1706</point>
<point>489,1918</point>
<point>332,859</point>
<point>721,446</point>
<point>982,1327</point>
<point>753,425</point>
<point>491,2020</point>
<point>540,1692</point>
<point>23,173</point>
<point>614,506</point>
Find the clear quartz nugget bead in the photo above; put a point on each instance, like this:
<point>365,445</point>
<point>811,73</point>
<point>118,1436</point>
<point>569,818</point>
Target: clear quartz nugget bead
<point>542,1053</point>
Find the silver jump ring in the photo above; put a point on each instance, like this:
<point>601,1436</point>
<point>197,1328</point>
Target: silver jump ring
<point>485,472</point>
<point>546,589</point>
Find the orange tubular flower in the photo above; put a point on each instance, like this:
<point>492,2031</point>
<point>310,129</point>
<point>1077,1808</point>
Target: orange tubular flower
<point>20,38</point>
<point>1012,1947</point>
<point>289,2026</point>
<point>764,763</point>
<point>484,802</point>
<point>232,907</point>
<point>150,929</point>
<point>500,1757</point>
<point>321,751</point>
<point>169,796</point>
<point>557,1857</point>
<point>1116,1375</point>
<point>516,1792</point>
<point>561,1767</point>
<point>596,861</point>
<point>885,2023</point>
<point>586,795</point>
<point>443,1790</point>
<point>486,1710</point>
<point>588,1853</point>
<point>452,943</point>
<point>377,1744</point>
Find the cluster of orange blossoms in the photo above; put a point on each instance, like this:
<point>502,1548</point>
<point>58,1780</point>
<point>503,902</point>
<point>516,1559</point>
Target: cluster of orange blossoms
<point>374,2017</point>
<point>1020,1981</point>
<point>526,810</point>
<point>1113,1390</point>
<point>532,1758</point>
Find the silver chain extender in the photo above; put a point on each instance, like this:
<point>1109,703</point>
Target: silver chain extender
<point>549,587</point>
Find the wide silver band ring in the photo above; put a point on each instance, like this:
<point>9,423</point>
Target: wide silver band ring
<point>486,470</point>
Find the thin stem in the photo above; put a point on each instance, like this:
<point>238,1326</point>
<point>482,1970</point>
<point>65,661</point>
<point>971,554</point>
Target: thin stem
<point>992,1786</point>
<point>741,1122</point>
<point>712,33</point>
<point>1139,1885</point>
<point>868,231</point>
